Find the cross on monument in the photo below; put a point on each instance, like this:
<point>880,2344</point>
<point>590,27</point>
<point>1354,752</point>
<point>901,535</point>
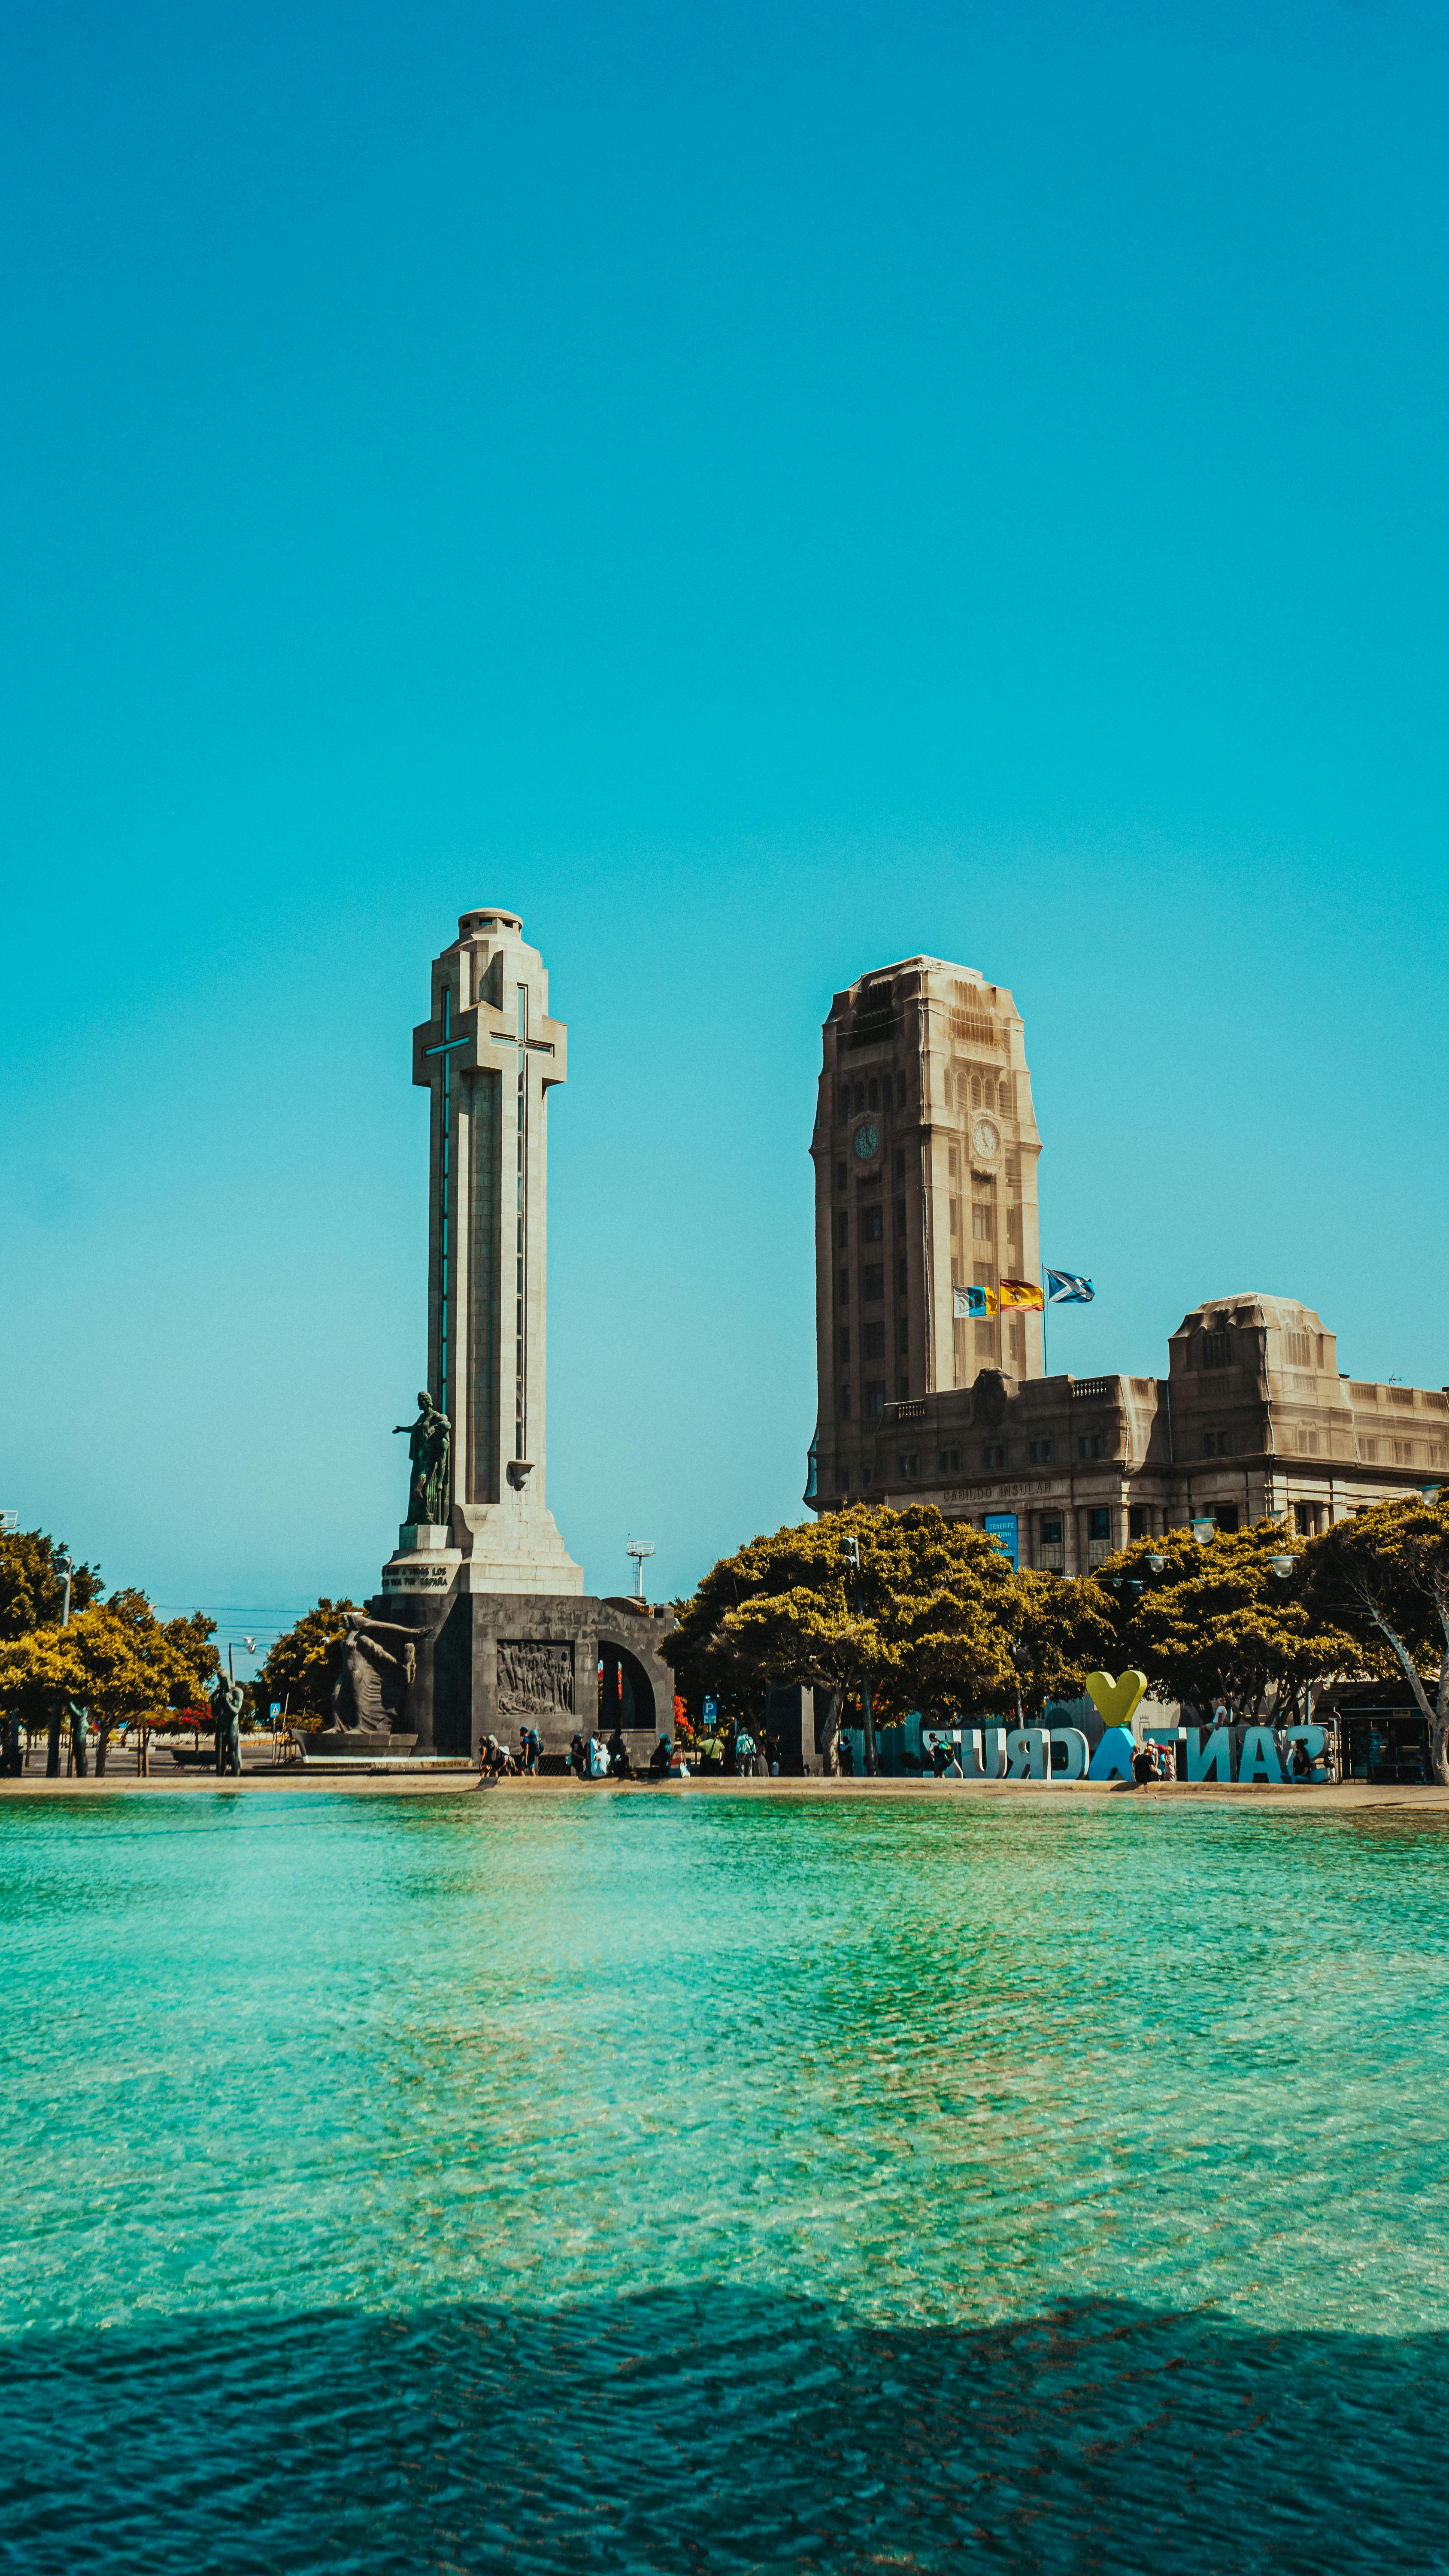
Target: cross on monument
<point>488,1229</point>
<point>526,1046</point>
<point>446,1049</point>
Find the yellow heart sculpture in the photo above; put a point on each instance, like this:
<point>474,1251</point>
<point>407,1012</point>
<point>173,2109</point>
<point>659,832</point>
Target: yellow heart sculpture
<point>1116,1701</point>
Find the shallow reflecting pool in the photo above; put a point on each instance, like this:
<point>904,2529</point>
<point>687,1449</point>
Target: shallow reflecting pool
<point>636,2182</point>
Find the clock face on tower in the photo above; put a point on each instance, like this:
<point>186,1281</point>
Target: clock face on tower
<point>867,1138</point>
<point>985,1137</point>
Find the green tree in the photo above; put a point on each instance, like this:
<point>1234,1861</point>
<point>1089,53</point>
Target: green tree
<point>116,1660</point>
<point>1383,1576</point>
<point>1062,1630</point>
<point>927,1624</point>
<point>1209,1619</point>
<point>32,1585</point>
<point>131,1666</point>
<point>303,1665</point>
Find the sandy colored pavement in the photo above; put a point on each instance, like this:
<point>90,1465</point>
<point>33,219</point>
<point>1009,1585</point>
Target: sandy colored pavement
<point>296,1781</point>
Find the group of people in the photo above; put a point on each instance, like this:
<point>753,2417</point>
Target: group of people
<point>589,1759</point>
<point>498,1761</point>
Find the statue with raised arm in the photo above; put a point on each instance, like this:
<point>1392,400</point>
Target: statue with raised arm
<point>430,1440</point>
<point>374,1680</point>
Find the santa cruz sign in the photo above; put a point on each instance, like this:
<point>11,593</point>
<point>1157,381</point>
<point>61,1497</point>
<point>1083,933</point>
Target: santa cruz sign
<point>1249,1754</point>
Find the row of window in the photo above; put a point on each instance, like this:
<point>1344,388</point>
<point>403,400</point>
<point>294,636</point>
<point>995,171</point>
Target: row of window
<point>871,1222</point>
<point>887,1092</point>
<point>873,1399</point>
<point>873,1341</point>
<point>993,1453</point>
<point>978,1091</point>
<point>872,1282</point>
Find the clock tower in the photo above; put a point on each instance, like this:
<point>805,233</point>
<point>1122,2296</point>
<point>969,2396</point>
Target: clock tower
<point>925,1151</point>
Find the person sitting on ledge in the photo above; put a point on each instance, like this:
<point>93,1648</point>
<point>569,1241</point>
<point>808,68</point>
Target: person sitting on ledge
<point>620,1766</point>
<point>659,1759</point>
<point>578,1759</point>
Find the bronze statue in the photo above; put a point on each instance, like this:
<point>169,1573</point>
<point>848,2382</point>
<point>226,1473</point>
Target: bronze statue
<point>226,1709</point>
<point>430,1439</point>
<point>374,1682</point>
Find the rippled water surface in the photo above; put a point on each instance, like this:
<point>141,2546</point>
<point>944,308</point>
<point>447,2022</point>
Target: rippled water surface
<point>586,2181</point>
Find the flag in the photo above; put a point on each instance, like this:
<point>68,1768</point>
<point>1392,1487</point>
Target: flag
<point>972,1301</point>
<point>1021,1292</point>
<point>1065,1289</point>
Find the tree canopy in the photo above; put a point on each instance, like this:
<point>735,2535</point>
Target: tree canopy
<point>1383,1578</point>
<point>32,1585</point>
<point>1209,1619</point>
<point>929,1623</point>
<point>115,1659</point>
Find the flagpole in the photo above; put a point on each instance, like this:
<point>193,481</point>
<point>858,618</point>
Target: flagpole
<point>1043,1323</point>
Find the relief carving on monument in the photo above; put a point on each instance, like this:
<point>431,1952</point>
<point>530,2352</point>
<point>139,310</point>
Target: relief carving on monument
<point>535,1677</point>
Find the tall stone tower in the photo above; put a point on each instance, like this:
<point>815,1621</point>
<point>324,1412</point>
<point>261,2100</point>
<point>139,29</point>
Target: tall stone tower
<point>925,1152</point>
<point>489,1055</point>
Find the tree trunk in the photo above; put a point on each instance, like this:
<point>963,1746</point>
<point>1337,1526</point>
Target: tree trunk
<point>1439,1728</point>
<point>103,1737</point>
<point>830,1745</point>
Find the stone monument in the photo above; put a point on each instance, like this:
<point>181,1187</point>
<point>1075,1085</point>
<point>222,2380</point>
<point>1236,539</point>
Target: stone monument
<point>503,1633</point>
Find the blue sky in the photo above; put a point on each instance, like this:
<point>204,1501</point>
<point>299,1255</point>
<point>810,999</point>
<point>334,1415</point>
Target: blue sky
<point>761,491</point>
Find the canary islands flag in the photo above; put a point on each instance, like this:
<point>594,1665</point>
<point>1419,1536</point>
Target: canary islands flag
<point>972,1301</point>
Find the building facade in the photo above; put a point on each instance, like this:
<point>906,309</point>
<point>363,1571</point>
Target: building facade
<point>925,1151</point>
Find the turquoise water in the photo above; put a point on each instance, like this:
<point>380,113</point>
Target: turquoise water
<point>595,2181</point>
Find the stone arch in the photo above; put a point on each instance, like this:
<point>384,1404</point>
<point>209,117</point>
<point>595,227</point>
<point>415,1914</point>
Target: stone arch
<point>626,1694</point>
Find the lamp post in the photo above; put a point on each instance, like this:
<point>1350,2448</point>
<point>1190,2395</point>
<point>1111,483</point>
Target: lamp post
<point>852,1557</point>
<point>64,1566</point>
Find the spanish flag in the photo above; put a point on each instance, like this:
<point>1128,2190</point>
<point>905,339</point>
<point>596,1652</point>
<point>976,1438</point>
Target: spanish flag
<point>1020,1292</point>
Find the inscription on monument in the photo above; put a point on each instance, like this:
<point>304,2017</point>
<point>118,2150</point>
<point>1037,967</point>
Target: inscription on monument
<point>535,1677</point>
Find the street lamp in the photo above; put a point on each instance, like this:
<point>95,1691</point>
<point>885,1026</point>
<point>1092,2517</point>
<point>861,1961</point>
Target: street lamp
<point>852,1557</point>
<point>1203,1527</point>
<point>1157,1563</point>
<point>1282,1566</point>
<point>639,1548</point>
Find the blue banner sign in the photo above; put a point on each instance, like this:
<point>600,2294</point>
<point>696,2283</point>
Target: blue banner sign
<point>1002,1527</point>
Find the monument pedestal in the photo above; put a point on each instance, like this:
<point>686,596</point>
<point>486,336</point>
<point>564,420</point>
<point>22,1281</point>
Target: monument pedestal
<point>489,1663</point>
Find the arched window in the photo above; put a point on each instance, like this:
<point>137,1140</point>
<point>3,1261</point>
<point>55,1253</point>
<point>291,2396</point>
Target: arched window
<point>976,1091</point>
<point>872,1094</point>
<point>1004,1096</point>
<point>860,1095</point>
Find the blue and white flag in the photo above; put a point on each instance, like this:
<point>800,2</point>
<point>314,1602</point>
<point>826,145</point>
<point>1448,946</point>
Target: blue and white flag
<point>1064,1289</point>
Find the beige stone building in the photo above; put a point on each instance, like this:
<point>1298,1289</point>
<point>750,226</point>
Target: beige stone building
<point>925,1151</point>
